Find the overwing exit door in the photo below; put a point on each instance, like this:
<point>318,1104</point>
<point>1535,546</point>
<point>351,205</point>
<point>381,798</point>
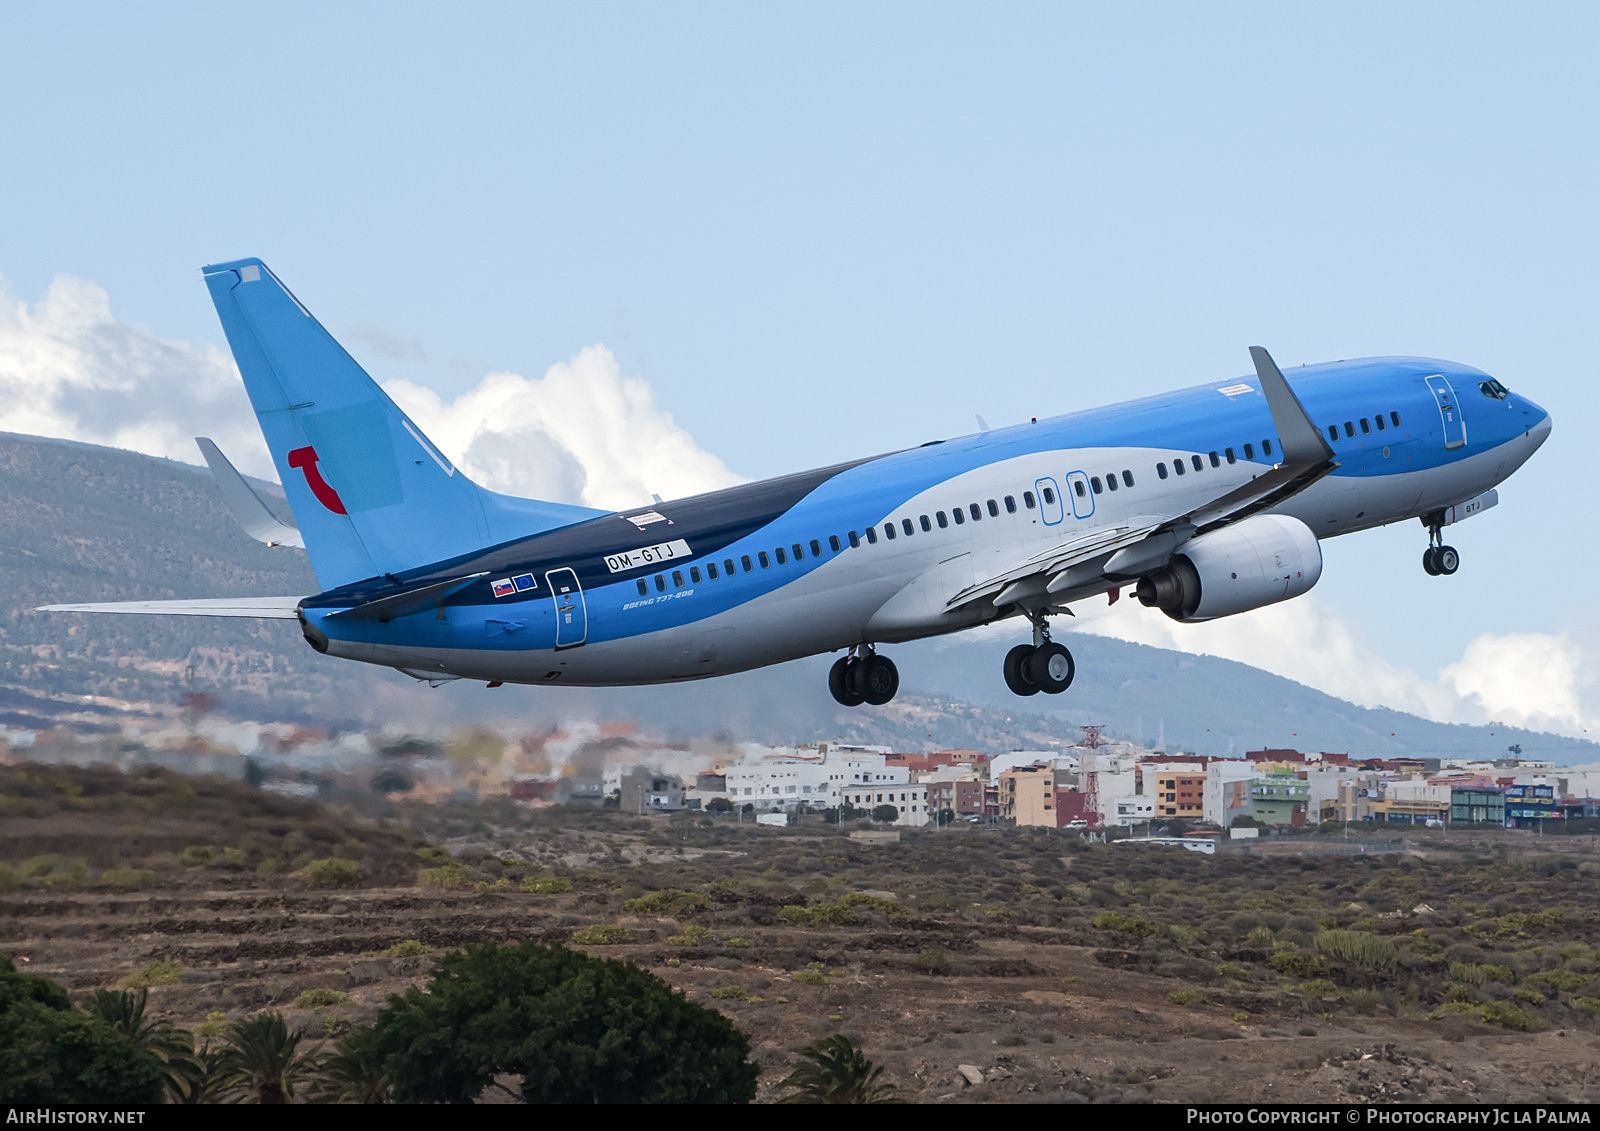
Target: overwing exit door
<point>1455,427</point>
<point>572,615</point>
<point>1082,497</point>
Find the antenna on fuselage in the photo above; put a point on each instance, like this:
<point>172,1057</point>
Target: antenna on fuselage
<point>983,425</point>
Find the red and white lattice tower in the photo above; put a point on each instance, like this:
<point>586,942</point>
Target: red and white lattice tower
<point>1091,738</point>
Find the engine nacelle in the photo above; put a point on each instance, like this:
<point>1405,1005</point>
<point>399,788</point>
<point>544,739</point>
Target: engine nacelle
<point>1257,561</point>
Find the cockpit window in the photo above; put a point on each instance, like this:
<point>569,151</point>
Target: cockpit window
<point>1493,389</point>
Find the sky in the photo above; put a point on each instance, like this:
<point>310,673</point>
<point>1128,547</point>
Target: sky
<point>603,251</point>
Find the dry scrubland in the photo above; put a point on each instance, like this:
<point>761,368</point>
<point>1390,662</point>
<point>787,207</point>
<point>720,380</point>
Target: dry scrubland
<point>1064,972</point>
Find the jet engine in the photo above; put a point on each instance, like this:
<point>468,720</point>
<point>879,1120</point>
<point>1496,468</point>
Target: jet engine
<point>1257,561</point>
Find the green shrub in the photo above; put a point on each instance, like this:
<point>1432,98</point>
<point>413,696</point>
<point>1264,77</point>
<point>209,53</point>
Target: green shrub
<point>10,878</point>
<point>1587,1004</point>
<point>196,856</point>
<point>1357,947</point>
<point>215,1025</point>
<point>930,958</point>
<point>670,901</point>
<point>452,875</point>
<point>154,974</point>
<point>1468,973</point>
<point>332,872</point>
<point>1319,987</point>
<point>810,977</point>
<point>320,998</point>
<point>53,869</point>
<point>1298,963</point>
<point>267,867</point>
<point>729,993</point>
<point>1180,934</point>
<point>1125,924</point>
<point>1194,999</point>
<point>235,857</point>
<point>821,915</point>
<point>736,942</point>
<point>689,935</point>
<point>1532,997</point>
<point>602,934</point>
<point>1505,1014</point>
<point>1564,980</point>
<point>889,908</point>
<point>409,948</point>
<point>1262,936</point>
<point>123,877</point>
<point>546,885</point>
<point>433,853</point>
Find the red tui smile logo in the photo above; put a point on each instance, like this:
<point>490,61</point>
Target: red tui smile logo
<point>306,460</point>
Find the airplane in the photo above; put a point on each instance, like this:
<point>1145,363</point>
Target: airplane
<point>1203,503</point>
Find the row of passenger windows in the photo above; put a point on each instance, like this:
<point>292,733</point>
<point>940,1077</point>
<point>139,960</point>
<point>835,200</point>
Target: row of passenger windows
<point>1216,458</point>
<point>1366,428</point>
<point>973,512</point>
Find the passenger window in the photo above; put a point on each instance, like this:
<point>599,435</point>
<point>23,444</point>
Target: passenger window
<point>677,579</point>
<point>1094,481</point>
<point>1366,428</point>
<point>1378,420</point>
<point>711,570</point>
<point>1198,462</point>
<point>1027,499</point>
<point>1216,460</point>
<point>906,525</point>
<point>1349,429</point>
<point>1161,471</point>
<point>1050,496</point>
<point>661,584</point>
<point>694,574</point>
<point>855,541</point>
<point>1111,481</point>
<point>888,531</point>
<point>1127,478</point>
<point>938,516</point>
<point>727,566</point>
<point>994,508</point>
<point>1333,432</point>
<point>1177,465</point>
<point>744,560</point>
<point>1249,451</point>
<point>1394,418</point>
<point>1228,452</point>
<point>975,510</point>
<point>644,588</point>
<point>816,548</point>
<point>1077,485</point>
<point>799,553</point>
<point>765,561</point>
<point>872,535</point>
<point>958,514</point>
<point>781,559</point>
<point>1011,505</point>
<point>926,524</point>
<point>1266,447</point>
<point>833,543</point>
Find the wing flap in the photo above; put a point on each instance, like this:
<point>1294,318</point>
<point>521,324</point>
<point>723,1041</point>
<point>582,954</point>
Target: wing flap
<point>265,608</point>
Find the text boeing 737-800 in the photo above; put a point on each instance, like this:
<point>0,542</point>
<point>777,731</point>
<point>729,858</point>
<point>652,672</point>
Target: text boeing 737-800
<point>1208,501</point>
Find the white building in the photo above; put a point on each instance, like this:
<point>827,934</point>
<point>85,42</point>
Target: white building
<point>773,784</point>
<point>1130,811</point>
<point>1222,800</point>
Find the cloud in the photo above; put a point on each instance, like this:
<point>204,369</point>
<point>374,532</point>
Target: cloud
<point>1537,680</point>
<point>69,369</point>
<point>582,433</point>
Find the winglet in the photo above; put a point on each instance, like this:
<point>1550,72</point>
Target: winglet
<point>1301,440</point>
<point>253,515</point>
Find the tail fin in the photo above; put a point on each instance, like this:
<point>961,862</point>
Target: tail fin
<point>370,493</point>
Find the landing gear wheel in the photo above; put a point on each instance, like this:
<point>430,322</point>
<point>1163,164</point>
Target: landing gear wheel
<point>1430,561</point>
<point>1015,670</point>
<point>877,679</point>
<point>1051,668</point>
<point>841,682</point>
<point>1447,560</point>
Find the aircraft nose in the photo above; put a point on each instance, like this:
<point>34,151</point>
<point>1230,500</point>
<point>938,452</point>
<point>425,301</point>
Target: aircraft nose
<point>1539,432</point>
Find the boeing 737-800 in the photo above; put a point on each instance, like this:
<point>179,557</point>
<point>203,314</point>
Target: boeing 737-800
<point>1205,502</point>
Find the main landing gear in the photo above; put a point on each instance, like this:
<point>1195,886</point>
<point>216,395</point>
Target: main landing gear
<point>1041,666</point>
<point>863,676</point>
<point>1439,559</point>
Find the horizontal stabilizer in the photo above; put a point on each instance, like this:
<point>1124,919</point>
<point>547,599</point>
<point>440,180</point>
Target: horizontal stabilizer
<point>253,515</point>
<point>266,608</point>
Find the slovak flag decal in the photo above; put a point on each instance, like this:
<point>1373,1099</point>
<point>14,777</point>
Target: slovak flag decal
<point>503,587</point>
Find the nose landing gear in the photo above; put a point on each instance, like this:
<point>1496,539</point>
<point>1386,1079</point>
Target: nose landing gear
<point>1439,559</point>
<point>861,678</point>
<point>1041,666</point>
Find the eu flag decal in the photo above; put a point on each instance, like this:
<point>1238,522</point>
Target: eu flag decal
<point>524,582</point>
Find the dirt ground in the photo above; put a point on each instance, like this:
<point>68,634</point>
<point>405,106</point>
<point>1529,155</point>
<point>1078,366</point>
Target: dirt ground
<point>1053,971</point>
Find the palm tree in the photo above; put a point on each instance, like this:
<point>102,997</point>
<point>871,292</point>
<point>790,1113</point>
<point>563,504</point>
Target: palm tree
<point>261,1060</point>
<point>835,1072</point>
<point>170,1047</point>
<point>352,1072</point>
<point>200,1077</point>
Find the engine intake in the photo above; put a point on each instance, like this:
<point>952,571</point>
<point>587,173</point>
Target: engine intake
<point>1258,561</point>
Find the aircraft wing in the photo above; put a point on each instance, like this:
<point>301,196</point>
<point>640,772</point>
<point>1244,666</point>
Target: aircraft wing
<point>265,608</point>
<point>253,515</point>
<point>1306,459</point>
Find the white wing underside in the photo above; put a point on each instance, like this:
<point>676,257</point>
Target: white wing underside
<point>265,608</point>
